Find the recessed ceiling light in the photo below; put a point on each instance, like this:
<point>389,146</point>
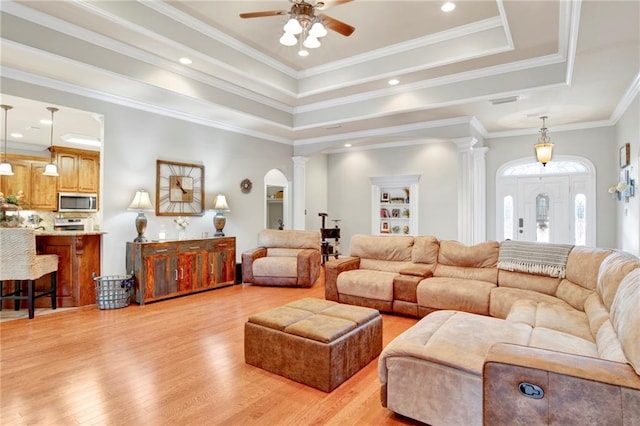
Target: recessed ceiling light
<point>347,145</point>
<point>17,135</point>
<point>393,82</point>
<point>448,7</point>
<point>46,121</point>
<point>185,61</point>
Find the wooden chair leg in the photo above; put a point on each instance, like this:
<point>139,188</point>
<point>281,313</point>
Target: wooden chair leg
<point>54,290</point>
<point>32,301</point>
<point>17,290</point>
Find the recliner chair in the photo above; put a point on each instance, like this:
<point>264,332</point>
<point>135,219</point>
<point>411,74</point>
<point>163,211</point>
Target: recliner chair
<point>283,258</point>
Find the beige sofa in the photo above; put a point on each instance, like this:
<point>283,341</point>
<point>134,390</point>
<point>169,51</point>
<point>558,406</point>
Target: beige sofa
<point>492,337</point>
<point>283,258</point>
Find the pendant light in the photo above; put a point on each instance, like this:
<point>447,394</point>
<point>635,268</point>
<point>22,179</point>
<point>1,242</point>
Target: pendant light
<point>544,147</point>
<point>51,169</point>
<point>5,167</point>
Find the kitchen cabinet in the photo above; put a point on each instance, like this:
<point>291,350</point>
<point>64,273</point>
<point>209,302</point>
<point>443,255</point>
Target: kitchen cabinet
<point>174,268</point>
<point>79,170</point>
<point>394,205</point>
<point>39,190</point>
<point>78,259</point>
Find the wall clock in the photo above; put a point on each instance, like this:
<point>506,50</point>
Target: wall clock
<point>179,189</point>
<point>245,186</point>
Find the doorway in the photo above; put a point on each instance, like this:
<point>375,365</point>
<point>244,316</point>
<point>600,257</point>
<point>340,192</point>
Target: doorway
<point>553,204</point>
<point>276,190</point>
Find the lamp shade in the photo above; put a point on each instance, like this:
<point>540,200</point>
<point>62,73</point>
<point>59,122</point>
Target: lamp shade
<point>544,151</point>
<point>5,169</point>
<point>51,170</point>
<point>141,201</point>
<point>220,203</point>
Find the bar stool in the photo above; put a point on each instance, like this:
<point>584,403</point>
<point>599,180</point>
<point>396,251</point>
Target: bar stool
<point>19,262</point>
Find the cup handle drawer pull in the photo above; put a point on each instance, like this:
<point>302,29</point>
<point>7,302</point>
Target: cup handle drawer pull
<point>531,390</point>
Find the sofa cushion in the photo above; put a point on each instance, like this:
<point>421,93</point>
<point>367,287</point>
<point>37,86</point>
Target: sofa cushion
<point>537,283</point>
<point>608,344</point>
<point>612,270</point>
<point>503,298</point>
<point>425,250</point>
<point>283,251</point>
<point>554,316</point>
<point>366,283</point>
<point>546,338</point>
<point>289,239</point>
<point>625,317</point>
<point>278,266</point>
<point>384,265</point>
<point>583,264</point>
<point>389,248</point>
<point>455,293</point>
<point>572,293</point>
<point>458,340</point>
<point>483,255</point>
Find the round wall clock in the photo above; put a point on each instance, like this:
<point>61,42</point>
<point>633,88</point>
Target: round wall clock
<point>246,186</point>
<point>179,189</point>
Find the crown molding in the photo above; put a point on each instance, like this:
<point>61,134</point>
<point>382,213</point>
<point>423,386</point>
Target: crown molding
<point>50,83</point>
<point>627,98</point>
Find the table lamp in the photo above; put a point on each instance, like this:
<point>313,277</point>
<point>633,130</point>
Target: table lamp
<point>220,205</point>
<point>141,203</point>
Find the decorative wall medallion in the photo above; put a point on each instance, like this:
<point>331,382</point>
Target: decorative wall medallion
<point>179,189</point>
<point>246,186</point>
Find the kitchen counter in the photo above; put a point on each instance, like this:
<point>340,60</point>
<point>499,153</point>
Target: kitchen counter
<point>67,233</point>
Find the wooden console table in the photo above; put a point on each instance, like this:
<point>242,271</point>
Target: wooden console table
<point>174,268</point>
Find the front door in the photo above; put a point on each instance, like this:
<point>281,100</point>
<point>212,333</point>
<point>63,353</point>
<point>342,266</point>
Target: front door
<point>542,211</point>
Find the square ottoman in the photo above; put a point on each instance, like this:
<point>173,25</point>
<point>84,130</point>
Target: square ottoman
<point>316,342</point>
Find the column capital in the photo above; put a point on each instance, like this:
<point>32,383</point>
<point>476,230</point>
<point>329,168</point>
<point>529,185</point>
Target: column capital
<point>299,160</point>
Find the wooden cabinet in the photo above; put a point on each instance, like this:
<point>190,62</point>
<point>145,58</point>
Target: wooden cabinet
<point>174,268</point>
<point>39,190</point>
<point>78,259</point>
<point>79,170</point>
<point>394,205</point>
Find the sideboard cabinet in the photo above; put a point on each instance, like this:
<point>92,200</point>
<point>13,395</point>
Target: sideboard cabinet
<point>175,268</point>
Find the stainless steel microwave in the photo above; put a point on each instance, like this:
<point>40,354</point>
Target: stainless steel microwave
<point>77,202</point>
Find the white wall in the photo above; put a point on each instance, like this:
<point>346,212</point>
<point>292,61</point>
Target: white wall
<point>316,192</point>
<point>349,188</point>
<point>596,145</point>
<point>628,131</point>
<point>134,139</point>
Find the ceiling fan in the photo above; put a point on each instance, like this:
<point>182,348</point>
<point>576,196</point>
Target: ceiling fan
<point>305,14</point>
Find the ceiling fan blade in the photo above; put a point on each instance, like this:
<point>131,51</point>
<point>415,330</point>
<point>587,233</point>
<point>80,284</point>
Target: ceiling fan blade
<point>337,26</point>
<point>263,14</point>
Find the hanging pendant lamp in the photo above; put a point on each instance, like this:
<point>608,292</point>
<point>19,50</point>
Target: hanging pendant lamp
<point>5,167</point>
<point>51,169</point>
<point>544,147</point>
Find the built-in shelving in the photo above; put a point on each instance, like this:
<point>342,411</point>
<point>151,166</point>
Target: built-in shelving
<point>394,205</point>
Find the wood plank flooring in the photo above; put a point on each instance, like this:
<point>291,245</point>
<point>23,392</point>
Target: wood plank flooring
<point>178,361</point>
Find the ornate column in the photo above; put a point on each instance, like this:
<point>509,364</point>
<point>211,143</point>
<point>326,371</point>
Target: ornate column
<point>299,193</point>
<point>472,227</point>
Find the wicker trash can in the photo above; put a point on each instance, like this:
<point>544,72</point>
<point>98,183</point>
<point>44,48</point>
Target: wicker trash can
<point>113,291</point>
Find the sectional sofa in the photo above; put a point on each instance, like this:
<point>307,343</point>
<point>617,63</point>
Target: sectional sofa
<point>510,333</point>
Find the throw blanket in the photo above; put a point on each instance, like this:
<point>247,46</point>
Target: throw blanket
<point>535,258</point>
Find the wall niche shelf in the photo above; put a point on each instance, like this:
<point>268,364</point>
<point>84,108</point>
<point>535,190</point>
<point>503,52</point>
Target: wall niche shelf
<point>394,205</point>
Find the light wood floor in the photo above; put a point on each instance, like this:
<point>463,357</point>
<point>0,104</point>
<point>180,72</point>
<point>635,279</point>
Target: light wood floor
<point>178,361</point>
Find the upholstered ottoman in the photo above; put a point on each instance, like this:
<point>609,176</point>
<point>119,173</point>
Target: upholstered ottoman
<point>316,342</point>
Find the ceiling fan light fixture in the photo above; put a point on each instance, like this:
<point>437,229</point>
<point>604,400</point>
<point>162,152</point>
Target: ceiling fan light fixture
<point>288,39</point>
<point>311,42</point>
<point>293,26</point>
<point>303,52</point>
<point>318,30</point>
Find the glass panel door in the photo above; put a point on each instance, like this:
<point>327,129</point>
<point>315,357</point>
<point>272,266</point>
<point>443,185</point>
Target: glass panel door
<point>543,210</point>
